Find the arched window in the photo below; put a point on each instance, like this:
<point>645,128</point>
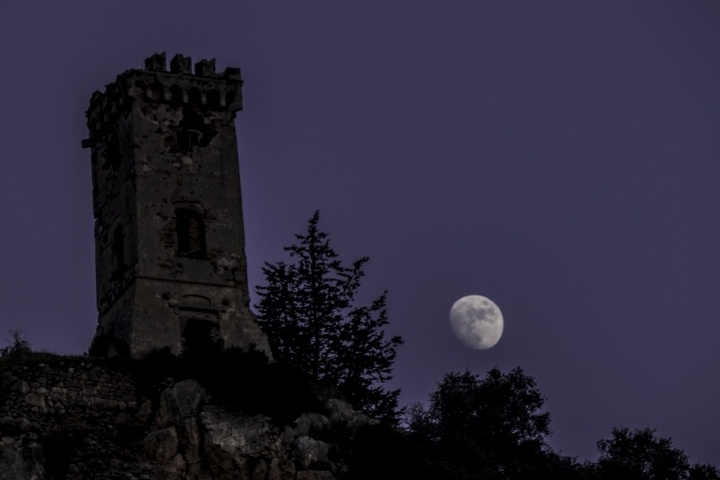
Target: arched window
<point>194,96</point>
<point>157,92</point>
<point>190,233</point>
<point>213,98</point>
<point>140,87</point>
<point>176,94</point>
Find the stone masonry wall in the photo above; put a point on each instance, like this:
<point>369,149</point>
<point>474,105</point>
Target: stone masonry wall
<point>47,411</point>
<point>41,393</point>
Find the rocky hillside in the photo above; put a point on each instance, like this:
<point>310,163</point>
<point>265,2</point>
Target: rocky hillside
<point>87,420</point>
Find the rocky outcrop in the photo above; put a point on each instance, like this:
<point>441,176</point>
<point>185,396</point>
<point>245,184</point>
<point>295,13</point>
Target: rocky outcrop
<point>195,440</point>
<point>21,460</point>
<point>91,422</point>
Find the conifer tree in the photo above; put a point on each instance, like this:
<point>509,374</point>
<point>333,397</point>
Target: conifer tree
<point>307,309</point>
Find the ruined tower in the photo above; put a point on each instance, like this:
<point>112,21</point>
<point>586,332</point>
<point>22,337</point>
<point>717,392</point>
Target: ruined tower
<point>169,240</point>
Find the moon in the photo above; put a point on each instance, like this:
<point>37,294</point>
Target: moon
<point>477,321</point>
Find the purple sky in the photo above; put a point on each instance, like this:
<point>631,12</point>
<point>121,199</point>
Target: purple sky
<point>560,158</point>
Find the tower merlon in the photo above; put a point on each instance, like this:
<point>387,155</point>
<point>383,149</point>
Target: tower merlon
<point>205,68</point>
<point>181,64</point>
<point>156,63</point>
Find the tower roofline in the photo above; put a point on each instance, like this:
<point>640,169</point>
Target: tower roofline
<point>182,64</point>
<point>155,84</point>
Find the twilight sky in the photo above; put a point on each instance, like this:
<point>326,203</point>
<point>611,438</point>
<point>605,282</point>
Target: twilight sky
<point>560,157</point>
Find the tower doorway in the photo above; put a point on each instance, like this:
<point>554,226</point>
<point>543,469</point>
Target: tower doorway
<point>201,338</point>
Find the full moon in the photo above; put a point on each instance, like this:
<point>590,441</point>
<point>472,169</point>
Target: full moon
<point>476,321</point>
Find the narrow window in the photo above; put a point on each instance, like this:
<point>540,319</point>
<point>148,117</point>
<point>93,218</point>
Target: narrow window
<point>176,94</point>
<point>187,138</point>
<point>113,155</point>
<point>194,96</point>
<point>118,253</point>
<point>213,98</point>
<point>189,134</point>
<point>157,92</point>
<point>190,233</point>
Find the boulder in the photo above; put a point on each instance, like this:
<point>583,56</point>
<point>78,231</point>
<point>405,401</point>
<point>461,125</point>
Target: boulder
<point>341,413</point>
<point>182,400</point>
<point>308,452</point>
<point>281,469</point>
<point>310,424</point>
<point>191,440</point>
<point>314,475</point>
<point>175,468</point>
<point>260,471</point>
<point>21,461</point>
<point>238,435</point>
<point>161,445</point>
<point>35,399</point>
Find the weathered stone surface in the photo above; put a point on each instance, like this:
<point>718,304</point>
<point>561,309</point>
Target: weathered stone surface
<point>281,469</point>
<point>314,475</point>
<point>238,435</point>
<point>175,469</point>
<point>144,412</point>
<point>179,402</point>
<point>308,451</point>
<point>161,445</point>
<point>9,425</point>
<point>22,386</point>
<point>260,470</point>
<point>341,413</point>
<point>309,424</point>
<point>21,462</point>
<point>191,440</point>
<point>35,399</point>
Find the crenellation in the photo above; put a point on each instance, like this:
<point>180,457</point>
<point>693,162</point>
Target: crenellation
<point>181,64</point>
<point>205,68</point>
<point>156,63</point>
<point>155,85</point>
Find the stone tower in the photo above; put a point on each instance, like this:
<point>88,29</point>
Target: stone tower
<point>169,241</point>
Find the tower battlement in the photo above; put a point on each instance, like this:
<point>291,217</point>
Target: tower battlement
<point>170,262</point>
<point>155,84</point>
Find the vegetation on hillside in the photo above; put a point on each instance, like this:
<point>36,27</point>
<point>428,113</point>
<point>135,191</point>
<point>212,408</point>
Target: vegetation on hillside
<point>309,312</point>
<point>494,427</point>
